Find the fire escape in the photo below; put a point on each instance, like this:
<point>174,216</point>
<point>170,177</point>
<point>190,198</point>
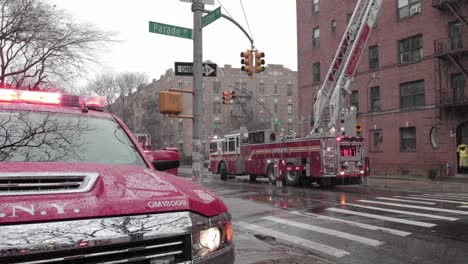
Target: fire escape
<point>452,52</point>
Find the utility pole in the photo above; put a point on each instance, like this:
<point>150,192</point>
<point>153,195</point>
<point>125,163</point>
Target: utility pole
<point>197,134</point>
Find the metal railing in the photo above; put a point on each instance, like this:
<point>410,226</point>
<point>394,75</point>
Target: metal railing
<point>451,45</point>
<point>439,3</point>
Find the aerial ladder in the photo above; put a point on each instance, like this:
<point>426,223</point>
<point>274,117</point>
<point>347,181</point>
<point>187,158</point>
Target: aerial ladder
<point>340,74</point>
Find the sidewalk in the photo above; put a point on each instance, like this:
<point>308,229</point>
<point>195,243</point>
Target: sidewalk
<point>452,184</point>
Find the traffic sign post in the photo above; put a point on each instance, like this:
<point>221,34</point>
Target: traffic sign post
<point>170,30</point>
<point>211,17</point>
<point>186,69</point>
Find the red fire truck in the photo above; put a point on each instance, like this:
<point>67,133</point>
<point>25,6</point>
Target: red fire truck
<point>326,160</point>
<point>333,151</point>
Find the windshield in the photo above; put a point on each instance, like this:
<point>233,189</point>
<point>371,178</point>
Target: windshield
<point>52,137</point>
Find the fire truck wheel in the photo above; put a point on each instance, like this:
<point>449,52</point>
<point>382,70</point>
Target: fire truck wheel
<point>292,177</point>
<point>271,174</point>
<point>223,171</point>
<point>253,177</point>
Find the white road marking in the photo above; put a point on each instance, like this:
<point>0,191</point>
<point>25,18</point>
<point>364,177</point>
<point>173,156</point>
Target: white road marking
<point>463,206</point>
<point>331,232</point>
<point>418,207</point>
<point>405,212</point>
<point>461,195</point>
<point>402,200</point>
<point>431,199</point>
<point>381,217</point>
<point>296,240</point>
<point>457,198</point>
<point>361,225</point>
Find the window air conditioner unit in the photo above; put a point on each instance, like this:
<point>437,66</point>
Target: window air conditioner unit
<point>415,9</point>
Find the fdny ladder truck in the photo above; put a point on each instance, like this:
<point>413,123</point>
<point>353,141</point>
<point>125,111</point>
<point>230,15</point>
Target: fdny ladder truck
<point>332,153</point>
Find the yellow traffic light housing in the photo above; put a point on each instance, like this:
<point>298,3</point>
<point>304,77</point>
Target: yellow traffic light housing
<point>170,102</point>
<point>228,97</point>
<point>259,61</point>
<point>247,62</point>
<point>359,128</point>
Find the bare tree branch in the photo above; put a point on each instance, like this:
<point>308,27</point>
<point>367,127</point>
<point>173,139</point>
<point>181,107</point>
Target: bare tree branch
<point>40,43</point>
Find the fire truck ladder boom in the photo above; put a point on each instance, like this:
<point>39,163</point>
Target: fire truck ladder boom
<point>344,64</point>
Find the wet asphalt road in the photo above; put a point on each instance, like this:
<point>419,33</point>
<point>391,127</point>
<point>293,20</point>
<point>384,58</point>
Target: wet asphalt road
<point>347,224</point>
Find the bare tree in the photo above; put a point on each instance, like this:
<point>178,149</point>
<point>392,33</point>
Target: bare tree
<point>120,90</point>
<point>40,44</point>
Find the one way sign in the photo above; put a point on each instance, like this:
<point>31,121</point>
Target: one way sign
<point>186,69</point>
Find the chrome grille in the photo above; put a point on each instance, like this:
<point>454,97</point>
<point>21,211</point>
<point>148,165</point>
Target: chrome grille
<point>170,250</point>
<point>46,183</point>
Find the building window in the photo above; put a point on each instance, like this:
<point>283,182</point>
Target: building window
<point>412,94</point>
<point>315,7</point>
<point>261,89</point>
<point>244,86</point>
<point>276,88</point>
<point>407,8</point>
<point>333,25</point>
<point>455,35</point>
<point>348,18</point>
<point>181,148</point>
<point>289,90</point>
<point>354,99</point>
<point>375,98</point>
<point>216,108</point>
<point>275,109</point>
<point>458,87</point>
<point>216,87</point>
<point>316,36</point>
<point>411,49</point>
<point>376,140</point>
<point>290,109</point>
<point>408,139</point>
<point>316,72</point>
<point>181,128</point>
<point>374,57</point>
<point>434,136</point>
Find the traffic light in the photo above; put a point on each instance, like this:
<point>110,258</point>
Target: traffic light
<point>247,62</point>
<point>259,61</point>
<point>359,128</point>
<point>228,97</point>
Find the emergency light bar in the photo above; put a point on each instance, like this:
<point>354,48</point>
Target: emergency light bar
<point>52,98</point>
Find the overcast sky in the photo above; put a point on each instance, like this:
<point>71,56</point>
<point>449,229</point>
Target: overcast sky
<point>272,26</point>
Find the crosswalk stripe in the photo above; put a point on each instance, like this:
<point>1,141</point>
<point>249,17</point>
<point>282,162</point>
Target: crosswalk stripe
<point>361,225</point>
<point>402,200</point>
<point>417,207</point>
<point>432,199</point>
<point>456,198</point>
<point>331,232</point>
<point>381,217</point>
<point>335,252</point>
<point>461,195</point>
<point>405,212</point>
<point>463,206</point>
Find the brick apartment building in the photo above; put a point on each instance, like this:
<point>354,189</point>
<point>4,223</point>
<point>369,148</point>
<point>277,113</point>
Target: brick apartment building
<point>411,84</point>
<point>273,91</point>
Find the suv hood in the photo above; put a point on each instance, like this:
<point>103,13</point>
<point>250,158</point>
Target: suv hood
<point>104,190</point>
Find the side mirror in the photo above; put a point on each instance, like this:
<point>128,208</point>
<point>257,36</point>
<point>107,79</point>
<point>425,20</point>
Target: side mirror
<point>164,160</point>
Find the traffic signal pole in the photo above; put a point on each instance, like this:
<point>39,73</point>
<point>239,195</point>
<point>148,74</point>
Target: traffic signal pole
<point>197,134</point>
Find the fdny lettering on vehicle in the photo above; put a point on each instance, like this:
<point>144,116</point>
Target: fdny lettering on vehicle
<point>21,210</point>
<point>171,203</point>
<point>280,150</point>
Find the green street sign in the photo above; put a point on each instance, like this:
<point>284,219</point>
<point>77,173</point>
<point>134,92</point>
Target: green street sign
<point>170,30</point>
<point>211,17</point>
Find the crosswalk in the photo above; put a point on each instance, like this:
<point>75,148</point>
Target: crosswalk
<point>369,222</point>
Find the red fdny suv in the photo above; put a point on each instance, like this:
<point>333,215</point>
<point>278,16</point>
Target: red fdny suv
<point>76,187</point>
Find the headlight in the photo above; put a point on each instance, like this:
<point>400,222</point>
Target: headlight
<point>210,239</point>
